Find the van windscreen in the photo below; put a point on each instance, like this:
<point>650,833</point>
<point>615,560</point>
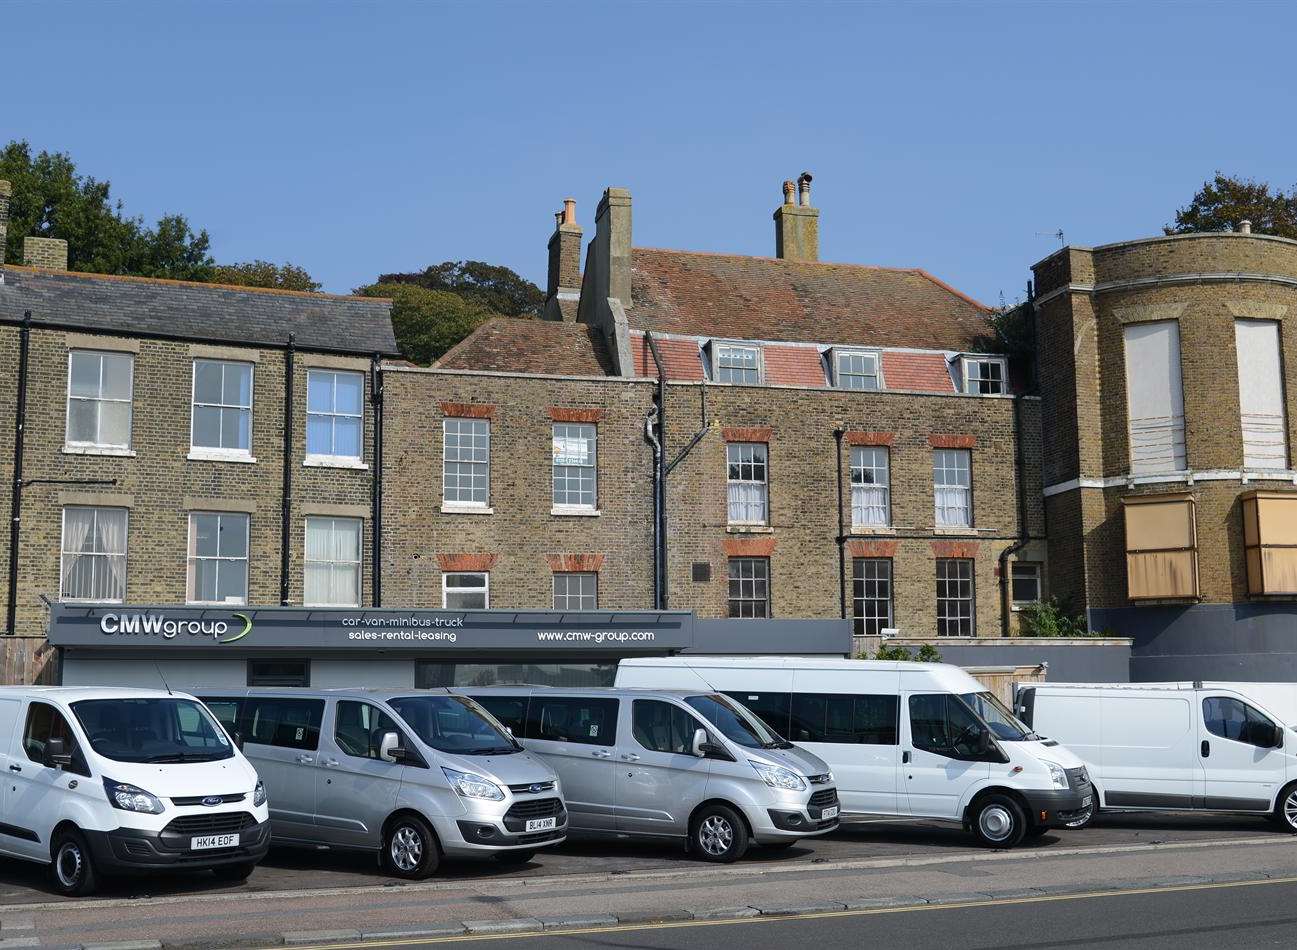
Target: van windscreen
<point>453,724</point>
<point>152,730</point>
<point>1003,724</point>
<point>736,723</point>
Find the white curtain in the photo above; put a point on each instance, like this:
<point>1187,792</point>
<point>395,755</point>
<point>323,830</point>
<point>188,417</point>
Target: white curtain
<point>869,504</point>
<point>111,529</point>
<point>747,502</point>
<point>1155,397</point>
<point>1261,394</point>
<point>333,561</point>
<point>952,506</point>
<point>78,572</point>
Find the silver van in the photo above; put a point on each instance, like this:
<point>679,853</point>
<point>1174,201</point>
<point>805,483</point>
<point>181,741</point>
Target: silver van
<point>415,775</point>
<point>670,764</point>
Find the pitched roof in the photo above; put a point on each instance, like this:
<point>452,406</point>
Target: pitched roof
<point>543,347</point>
<point>245,315</point>
<point>764,298</point>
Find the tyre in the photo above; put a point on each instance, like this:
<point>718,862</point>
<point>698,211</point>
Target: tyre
<point>718,834</point>
<point>410,848</point>
<point>514,857</point>
<point>998,822</point>
<point>1285,808</point>
<point>72,867</point>
<point>234,872</point>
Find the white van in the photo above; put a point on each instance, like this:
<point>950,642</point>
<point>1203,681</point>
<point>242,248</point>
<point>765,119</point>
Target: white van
<point>1192,747</point>
<point>921,740</point>
<point>117,781</point>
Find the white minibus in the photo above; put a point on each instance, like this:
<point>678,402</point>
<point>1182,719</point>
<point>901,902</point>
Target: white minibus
<point>1189,746</point>
<point>920,740</point>
<point>117,781</point>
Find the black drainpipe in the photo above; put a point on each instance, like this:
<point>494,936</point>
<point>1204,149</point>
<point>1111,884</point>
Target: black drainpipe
<point>842,530</point>
<point>376,516</point>
<point>286,494</point>
<point>660,479</point>
<point>16,499</point>
<point>1020,466</point>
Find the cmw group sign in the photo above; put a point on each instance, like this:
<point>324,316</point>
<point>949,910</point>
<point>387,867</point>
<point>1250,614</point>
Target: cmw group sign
<point>158,625</point>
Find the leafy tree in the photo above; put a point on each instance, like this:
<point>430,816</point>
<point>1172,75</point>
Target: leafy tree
<point>264,274</point>
<point>1225,201</point>
<point>928,654</point>
<point>427,323</point>
<point>1053,618</point>
<point>492,286</point>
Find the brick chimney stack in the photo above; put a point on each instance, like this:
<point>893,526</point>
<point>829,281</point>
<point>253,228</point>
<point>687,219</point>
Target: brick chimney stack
<point>564,284</point>
<point>797,224</point>
<point>5,191</point>
<point>46,253</point>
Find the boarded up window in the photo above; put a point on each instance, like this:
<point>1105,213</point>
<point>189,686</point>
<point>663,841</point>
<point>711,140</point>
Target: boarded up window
<point>1161,547</point>
<point>1154,397</point>
<point>1260,394</point>
<point>1270,540</point>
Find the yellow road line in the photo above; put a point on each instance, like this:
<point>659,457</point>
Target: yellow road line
<point>863,912</point>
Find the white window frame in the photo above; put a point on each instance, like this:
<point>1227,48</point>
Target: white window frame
<point>759,451</point>
<point>357,564</point>
<point>191,559</point>
<point>219,453</point>
<point>944,617</point>
<point>862,452</point>
<point>971,363</point>
<point>941,459</point>
<point>332,459</point>
<point>1036,573</point>
<point>720,347</point>
<point>99,400</point>
<point>591,470</point>
<point>459,504</point>
<point>94,555</point>
<point>485,588</point>
<point>859,621</point>
<point>877,374</point>
<point>567,575</point>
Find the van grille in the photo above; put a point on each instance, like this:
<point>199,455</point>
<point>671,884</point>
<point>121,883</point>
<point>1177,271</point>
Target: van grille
<point>532,788</point>
<point>1078,778</point>
<point>822,779</point>
<point>540,808</point>
<point>824,797</point>
<point>198,799</point>
<point>219,824</point>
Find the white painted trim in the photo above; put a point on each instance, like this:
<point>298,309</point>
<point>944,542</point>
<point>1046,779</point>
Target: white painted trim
<point>334,461</point>
<point>220,455</point>
<point>440,370</point>
<point>1208,277</point>
<point>1172,478</point>
<point>466,510</point>
<point>575,510</point>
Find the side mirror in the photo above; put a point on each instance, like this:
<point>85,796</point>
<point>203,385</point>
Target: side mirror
<point>56,754</point>
<point>237,739</point>
<point>700,743</point>
<point>1277,737</point>
<point>389,748</point>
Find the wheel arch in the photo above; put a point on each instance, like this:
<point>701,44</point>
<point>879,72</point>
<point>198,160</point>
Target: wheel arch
<point>405,812</point>
<point>983,793</point>
<point>725,802</point>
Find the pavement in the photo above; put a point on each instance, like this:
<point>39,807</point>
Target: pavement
<point>321,899</point>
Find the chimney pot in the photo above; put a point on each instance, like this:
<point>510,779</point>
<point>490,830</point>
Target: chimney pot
<point>569,211</point>
<point>564,278</point>
<point>804,189</point>
<point>1245,226</point>
<point>790,192</point>
<point>797,224</point>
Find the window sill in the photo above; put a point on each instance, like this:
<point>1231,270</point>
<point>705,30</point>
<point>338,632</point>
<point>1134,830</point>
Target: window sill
<point>749,529</point>
<point>111,450</point>
<point>216,603</point>
<point>868,530</point>
<point>334,461</point>
<point>213,455</point>
<point>466,510</point>
<point>950,531</point>
<point>572,511</point>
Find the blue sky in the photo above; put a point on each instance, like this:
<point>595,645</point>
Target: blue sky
<point>358,138</point>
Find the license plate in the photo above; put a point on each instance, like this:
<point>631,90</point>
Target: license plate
<point>542,824</point>
<point>207,842</point>
<point>827,813</point>
<point>1085,802</point>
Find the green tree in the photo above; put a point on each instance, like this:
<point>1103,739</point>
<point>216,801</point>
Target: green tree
<point>264,274</point>
<point>427,323</point>
<point>1225,201</point>
<point>491,286</point>
<point>1053,618</point>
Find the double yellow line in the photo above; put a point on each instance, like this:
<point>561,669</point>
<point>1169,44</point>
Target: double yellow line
<point>864,912</point>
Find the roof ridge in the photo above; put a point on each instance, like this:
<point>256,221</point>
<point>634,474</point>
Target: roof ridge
<point>958,293</point>
<point>783,260</point>
<point>172,282</point>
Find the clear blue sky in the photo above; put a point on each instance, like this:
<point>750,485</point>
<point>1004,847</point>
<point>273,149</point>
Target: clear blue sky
<point>359,138</point>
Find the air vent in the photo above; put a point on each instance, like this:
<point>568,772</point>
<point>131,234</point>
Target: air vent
<point>702,572</point>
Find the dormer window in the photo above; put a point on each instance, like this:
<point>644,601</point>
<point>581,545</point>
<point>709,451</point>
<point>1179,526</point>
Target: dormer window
<point>736,363</point>
<point>984,375</point>
<point>857,369</point>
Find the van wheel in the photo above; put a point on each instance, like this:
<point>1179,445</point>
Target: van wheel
<point>72,866</point>
<point>410,848</point>
<point>514,857</point>
<point>718,834</point>
<point>1285,809</point>
<point>998,822</point>
<point>234,872</point>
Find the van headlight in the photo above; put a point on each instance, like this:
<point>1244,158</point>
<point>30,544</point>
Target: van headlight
<point>259,793</point>
<point>776,776</point>
<point>1056,773</point>
<point>470,785</point>
<point>131,798</point>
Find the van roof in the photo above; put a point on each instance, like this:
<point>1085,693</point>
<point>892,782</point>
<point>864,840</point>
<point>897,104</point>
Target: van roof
<point>73,694</point>
<point>789,662</point>
<point>594,691</point>
<point>360,692</point>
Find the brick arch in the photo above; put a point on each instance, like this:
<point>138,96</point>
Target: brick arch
<point>575,563</point>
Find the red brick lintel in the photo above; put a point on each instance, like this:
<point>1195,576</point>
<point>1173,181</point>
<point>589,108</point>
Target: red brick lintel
<point>575,563</point>
<point>949,441</point>
<point>959,549</point>
<point>749,547</point>
<point>561,414</point>
<point>468,410</point>
<point>861,437</point>
<point>466,562</point>
<point>747,433</point>
<point>861,548</point>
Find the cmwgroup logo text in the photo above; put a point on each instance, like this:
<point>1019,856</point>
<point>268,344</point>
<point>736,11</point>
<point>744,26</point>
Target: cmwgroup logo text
<point>158,625</point>
<point>595,636</point>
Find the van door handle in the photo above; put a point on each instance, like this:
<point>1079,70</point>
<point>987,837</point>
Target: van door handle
<point>306,759</point>
<point>331,763</point>
<point>1206,749</point>
<point>905,757</point>
<point>15,768</point>
<point>601,754</point>
<point>630,757</point>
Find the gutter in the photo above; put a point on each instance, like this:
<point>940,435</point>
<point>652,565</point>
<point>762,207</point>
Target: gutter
<point>838,434</point>
<point>659,480</point>
<point>376,488</point>
<point>16,498</point>
<point>286,493</point>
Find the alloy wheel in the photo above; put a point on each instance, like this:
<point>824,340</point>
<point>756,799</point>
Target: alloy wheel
<point>1290,809</point>
<point>716,835</point>
<point>406,848</point>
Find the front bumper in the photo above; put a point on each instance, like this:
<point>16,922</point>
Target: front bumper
<point>1054,808</point>
<point>489,833</point>
<point>791,822</point>
<point>131,850</point>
